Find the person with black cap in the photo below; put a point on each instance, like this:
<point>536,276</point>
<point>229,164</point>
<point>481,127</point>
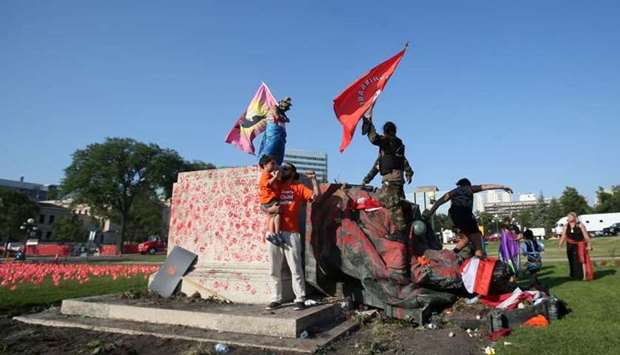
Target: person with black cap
<point>293,194</point>
<point>394,169</point>
<point>461,211</point>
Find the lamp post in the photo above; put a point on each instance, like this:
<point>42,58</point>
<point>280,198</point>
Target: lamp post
<point>496,219</point>
<point>30,229</point>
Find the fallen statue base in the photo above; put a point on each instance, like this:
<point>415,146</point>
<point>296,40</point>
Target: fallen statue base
<point>216,215</point>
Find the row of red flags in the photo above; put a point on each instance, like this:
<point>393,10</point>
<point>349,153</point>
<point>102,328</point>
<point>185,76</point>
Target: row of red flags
<point>349,106</point>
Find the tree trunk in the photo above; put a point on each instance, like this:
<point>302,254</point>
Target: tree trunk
<point>121,238</point>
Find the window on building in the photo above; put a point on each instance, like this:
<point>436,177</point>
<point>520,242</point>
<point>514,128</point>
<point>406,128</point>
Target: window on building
<point>51,220</point>
<point>48,235</point>
<point>41,218</point>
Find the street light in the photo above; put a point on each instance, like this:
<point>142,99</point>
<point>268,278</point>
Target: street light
<point>496,219</point>
<point>30,229</point>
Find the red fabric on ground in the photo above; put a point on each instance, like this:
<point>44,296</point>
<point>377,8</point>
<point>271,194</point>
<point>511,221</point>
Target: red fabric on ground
<point>494,300</point>
<point>484,275</point>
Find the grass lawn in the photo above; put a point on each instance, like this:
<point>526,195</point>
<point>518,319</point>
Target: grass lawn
<point>603,247</point>
<point>592,326</point>
<point>133,259</point>
<point>28,295</point>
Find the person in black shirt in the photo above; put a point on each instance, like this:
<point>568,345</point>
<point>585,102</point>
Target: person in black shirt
<point>394,169</point>
<point>461,211</point>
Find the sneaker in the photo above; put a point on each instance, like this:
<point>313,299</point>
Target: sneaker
<point>273,239</point>
<point>299,306</point>
<point>280,238</point>
<point>274,305</point>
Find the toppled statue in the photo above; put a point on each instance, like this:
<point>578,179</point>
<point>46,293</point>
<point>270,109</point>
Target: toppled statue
<point>347,241</point>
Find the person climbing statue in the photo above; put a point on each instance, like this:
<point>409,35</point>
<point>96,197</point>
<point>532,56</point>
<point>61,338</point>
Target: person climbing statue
<point>274,139</point>
<point>461,212</point>
<point>394,169</point>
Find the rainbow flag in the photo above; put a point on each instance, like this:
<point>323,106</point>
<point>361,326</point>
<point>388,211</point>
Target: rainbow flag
<point>253,121</point>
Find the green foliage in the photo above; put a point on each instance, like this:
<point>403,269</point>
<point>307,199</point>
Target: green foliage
<point>15,209</point>
<point>572,201</point>
<point>608,202</point>
<point>145,218</point>
<point>543,215</point>
<point>591,327</point>
<point>442,221</point>
<point>69,229</point>
<point>111,176</point>
<point>487,221</point>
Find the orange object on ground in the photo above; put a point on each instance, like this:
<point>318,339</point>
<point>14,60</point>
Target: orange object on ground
<point>537,321</point>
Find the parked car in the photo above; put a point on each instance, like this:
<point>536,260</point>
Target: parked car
<point>614,229</point>
<point>151,247</point>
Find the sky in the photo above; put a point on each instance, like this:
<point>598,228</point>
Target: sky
<point>520,93</point>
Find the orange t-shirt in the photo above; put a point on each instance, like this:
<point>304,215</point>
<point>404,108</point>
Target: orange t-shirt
<point>267,193</point>
<point>292,195</point>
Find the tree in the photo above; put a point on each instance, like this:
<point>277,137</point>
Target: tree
<point>15,209</point>
<point>442,221</point>
<point>112,175</point>
<point>554,213</point>
<point>487,221</point>
<point>608,202</point>
<point>145,218</point>
<point>69,229</point>
<point>572,201</point>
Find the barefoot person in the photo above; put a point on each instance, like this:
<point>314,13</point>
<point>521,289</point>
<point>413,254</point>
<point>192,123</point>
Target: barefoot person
<point>578,243</point>
<point>461,212</point>
<point>292,195</point>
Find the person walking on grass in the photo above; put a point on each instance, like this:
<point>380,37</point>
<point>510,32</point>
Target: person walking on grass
<point>578,245</point>
<point>293,194</point>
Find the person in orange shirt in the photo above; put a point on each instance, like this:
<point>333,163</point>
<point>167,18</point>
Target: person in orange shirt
<point>268,195</point>
<point>293,194</point>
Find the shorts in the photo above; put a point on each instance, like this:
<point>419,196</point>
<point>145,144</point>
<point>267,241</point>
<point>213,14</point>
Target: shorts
<point>464,221</point>
<point>266,206</point>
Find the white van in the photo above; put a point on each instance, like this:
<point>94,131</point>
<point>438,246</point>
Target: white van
<point>594,222</point>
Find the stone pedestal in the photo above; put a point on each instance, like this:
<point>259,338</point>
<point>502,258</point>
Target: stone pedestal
<point>216,215</point>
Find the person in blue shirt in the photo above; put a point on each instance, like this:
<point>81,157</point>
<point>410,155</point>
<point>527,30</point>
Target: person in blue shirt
<point>531,249</point>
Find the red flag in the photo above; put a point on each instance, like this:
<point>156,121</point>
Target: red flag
<point>355,100</point>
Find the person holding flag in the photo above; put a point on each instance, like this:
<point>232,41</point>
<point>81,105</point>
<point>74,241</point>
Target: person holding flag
<point>263,114</point>
<point>394,169</point>
<point>358,100</point>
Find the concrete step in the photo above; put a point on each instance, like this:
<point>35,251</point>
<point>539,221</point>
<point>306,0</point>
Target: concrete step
<point>237,318</point>
<point>53,318</point>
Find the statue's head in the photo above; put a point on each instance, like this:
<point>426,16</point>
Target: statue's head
<point>389,128</point>
<point>285,104</point>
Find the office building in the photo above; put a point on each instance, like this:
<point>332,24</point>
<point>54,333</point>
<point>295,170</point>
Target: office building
<point>308,161</point>
<point>36,192</point>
